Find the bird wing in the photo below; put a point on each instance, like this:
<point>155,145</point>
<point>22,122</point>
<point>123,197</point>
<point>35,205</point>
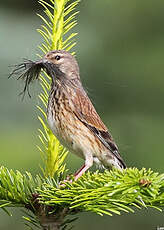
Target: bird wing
<point>86,113</point>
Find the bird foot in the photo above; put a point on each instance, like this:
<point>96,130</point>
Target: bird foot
<point>68,179</point>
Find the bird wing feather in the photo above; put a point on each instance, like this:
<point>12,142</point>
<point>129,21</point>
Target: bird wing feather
<point>86,113</point>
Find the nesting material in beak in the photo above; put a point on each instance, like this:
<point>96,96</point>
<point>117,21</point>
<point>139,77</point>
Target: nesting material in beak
<point>28,71</point>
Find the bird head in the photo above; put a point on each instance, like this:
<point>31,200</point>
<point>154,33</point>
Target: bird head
<point>58,64</point>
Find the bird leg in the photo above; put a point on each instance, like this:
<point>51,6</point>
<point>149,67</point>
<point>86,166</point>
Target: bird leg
<point>84,168</point>
<point>81,171</point>
<point>78,174</point>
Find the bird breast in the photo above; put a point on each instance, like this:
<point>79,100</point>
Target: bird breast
<point>69,130</point>
<point>65,126</point>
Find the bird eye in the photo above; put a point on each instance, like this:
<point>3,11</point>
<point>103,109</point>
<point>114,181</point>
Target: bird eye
<point>57,57</point>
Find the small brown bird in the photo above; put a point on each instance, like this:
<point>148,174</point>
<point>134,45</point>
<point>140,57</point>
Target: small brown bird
<point>70,113</point>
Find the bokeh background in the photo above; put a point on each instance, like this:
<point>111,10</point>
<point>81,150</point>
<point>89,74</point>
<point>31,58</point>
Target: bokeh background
<point>120,51</point>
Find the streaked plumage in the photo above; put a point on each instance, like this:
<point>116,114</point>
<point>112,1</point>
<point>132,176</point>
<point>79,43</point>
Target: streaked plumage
<point>72,116</point>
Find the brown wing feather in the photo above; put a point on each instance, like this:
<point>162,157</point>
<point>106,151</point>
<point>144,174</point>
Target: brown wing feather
<point>86,113</point>
<point>87,110</point>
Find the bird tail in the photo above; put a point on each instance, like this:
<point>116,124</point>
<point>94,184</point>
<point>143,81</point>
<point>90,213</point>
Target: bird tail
<point>119,163</point>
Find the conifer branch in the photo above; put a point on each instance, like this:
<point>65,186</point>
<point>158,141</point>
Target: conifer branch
<point>61,19</point>
<point>107,193</point>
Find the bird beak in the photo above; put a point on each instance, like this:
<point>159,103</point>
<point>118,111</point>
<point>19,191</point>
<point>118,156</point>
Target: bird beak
<point>43,61</point>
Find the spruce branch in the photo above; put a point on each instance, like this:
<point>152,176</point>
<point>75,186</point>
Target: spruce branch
<point>107,193</point>
<point>61,15</point>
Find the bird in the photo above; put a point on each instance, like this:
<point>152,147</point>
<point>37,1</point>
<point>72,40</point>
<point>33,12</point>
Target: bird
<point>70,113</point>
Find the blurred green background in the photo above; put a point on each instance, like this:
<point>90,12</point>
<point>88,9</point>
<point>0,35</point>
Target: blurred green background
<point>120,51</point>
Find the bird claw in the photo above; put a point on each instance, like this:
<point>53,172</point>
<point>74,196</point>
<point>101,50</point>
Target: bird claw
<point>68,179</point>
